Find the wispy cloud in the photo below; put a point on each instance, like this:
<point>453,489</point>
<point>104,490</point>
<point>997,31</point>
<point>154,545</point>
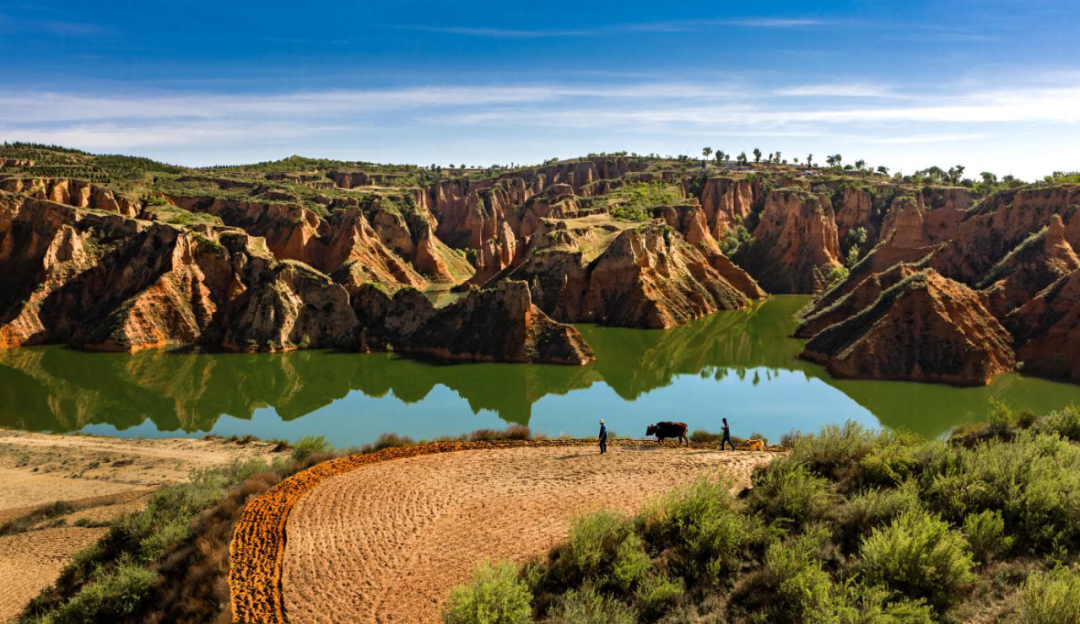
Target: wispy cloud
<point>840,90</point>
<point>857,113</point>
<point>917,139</point>
<point>59,28</point>
<point>673,26</point>
<point>503,33</point>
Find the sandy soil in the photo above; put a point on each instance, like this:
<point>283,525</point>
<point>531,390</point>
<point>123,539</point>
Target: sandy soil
<point>103,477</point>
<point>385,542</point>
<point>32,560</point>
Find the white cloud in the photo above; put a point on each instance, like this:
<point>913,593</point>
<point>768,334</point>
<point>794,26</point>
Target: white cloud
<point>674,26</point>
<point>840,90</point>
<point>518,118</point>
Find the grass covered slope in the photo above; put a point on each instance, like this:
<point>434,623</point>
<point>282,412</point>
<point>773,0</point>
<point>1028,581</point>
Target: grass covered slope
<point>851,526</point>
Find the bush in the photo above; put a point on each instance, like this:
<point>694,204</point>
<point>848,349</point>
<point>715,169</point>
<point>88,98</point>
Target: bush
<point>1032,480</point>
<point>917,556</point>
<point>495,595</point>
<point>699,530</point>
<point>656,595</point>
<point>700,436</point>
<point>835,449</point>
<point>985,532</point>
<point>862,604</point>
<point>787,494</point>
<point>1001,420</point>
<point>1065,423</point>
<point>888,464</point>
<point>110,596</point>
<point>587,606</point>
<point>1051,597</point>
<point>513,432</point>
<point>603,551</point>
<point>388,440</point>
<point>310,445</point>
<point>873,509</point>
<point>792,587</point>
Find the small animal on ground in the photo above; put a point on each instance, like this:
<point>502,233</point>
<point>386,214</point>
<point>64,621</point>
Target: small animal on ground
<point>667,429</point>
<point>756,445</point>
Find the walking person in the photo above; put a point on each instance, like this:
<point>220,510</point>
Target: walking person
<point>603,437</point>
<point>727,436</point>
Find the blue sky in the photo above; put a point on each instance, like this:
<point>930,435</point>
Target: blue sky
<point>991,84</point>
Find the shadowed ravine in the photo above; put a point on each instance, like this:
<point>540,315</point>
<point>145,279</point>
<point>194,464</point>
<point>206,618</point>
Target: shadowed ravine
<point>740,364</point>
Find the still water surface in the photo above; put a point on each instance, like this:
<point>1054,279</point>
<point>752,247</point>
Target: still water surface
<point>739,364</point>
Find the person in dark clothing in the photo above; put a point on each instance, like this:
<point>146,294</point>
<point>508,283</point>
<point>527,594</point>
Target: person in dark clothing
<point>727,436</point>
<point>603,437</point>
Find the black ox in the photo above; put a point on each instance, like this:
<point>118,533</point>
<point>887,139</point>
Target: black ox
<point>666,429</point>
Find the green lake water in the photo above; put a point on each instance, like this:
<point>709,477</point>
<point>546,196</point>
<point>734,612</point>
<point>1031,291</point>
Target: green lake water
<point>741,365</point>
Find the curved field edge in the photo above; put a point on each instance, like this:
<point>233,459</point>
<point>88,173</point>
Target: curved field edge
<point>257,549</point>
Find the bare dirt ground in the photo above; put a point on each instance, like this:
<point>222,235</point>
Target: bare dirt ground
<point>102,478</point>
<point>385,543</point>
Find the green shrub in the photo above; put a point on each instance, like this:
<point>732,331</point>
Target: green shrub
<point>110,596</point>
<point>791,587</point>
<point>985,532</point>
<point>700,531</point>
<point>1026,419</point>
<point>888,464</point>
<point>1051,597</point>
<point>1065,422</point>
<point>657,595</point>
<point>834,450</point>
<point>863,604</point>
<point>388,440</point>
<point>1033,480</point>
<point>870,510</point>
<point>495,595</point>
<point>587,606</point>
<point>700,436</point>
<point>602,550</point>
<point>917,556</point>
<point>787,494</point>
<point>1001,420</point>
<point>310,445</point>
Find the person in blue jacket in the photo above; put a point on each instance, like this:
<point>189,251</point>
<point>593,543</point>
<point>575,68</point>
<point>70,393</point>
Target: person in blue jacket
<point>727,436</point>
<point>603,437</point>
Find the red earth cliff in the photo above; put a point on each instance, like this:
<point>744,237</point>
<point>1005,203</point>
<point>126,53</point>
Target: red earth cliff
<point>924,328</point>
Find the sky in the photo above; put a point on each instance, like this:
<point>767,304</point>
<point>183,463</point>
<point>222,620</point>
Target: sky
<point>993,85</point>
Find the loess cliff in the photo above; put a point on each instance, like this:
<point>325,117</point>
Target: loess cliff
<point>912,278</point>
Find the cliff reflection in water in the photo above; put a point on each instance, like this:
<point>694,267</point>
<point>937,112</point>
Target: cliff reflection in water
<point>57,389</point>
